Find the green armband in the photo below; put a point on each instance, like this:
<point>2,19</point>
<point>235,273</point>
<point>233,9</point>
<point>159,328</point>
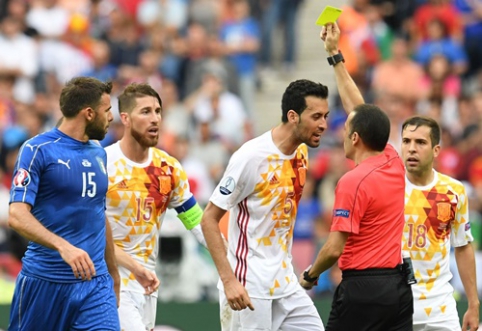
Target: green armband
<point>192,217</point>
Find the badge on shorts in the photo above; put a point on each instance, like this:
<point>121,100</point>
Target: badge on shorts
<point>227,185</point>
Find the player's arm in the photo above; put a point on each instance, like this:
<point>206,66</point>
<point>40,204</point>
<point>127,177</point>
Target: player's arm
<point>349,93</point>
<point>110,259</point>
<point>21,220</point>
<point>461,238</point>
<point>190,214</point>
<point>328,255</point>
<point>464,255</point>
<point>146,278</point>
<point>184,203</point>
<point>236,294</point>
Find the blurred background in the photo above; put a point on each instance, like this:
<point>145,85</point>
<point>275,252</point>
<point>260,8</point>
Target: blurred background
<point>221,67</point>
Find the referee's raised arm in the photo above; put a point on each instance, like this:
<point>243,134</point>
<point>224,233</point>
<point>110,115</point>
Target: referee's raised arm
<point>349,93</point>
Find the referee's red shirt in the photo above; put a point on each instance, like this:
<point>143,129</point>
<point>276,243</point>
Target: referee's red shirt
<point>369,204</point>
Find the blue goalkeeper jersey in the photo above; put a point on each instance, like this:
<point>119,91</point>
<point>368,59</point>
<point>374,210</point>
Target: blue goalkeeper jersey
<point>65,182</point>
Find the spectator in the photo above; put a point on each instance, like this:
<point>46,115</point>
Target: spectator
<point>401,66</point>
<point>438,41</point>
<point>18,59</point>
<point>241,38</point>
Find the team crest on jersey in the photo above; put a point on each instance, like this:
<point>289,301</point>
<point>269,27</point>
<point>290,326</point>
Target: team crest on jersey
<point>302,173</point>
<point>227,185</point>
<point>165,184</point>
<point>444,211</point>
<point>101,164</point>
<point>22,178</point>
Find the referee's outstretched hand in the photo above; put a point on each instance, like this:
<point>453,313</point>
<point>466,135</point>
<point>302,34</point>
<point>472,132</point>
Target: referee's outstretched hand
<point>330,34</point>
<point>80,262</point>
<point>237,295</point>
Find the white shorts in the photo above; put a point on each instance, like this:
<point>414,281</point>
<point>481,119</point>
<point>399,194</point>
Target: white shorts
<point>295,312</point>
<point>448,321</point>
<point>450,325</point>
<point>137,311</point>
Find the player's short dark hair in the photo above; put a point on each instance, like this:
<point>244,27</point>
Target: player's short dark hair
<point>372,125</point>
<point>80,93</point>
<point>432,124</point>
<point>127,99</point>
<point>295,94</point>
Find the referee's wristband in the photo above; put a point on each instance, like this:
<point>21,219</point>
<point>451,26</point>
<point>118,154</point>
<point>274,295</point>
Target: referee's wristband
<point>335,59</point>
<point>309,279</point>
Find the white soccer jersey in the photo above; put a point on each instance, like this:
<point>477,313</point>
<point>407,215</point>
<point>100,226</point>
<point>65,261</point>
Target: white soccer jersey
<point>436,217</point>
<point>262,187</point>
<point>137,199</point>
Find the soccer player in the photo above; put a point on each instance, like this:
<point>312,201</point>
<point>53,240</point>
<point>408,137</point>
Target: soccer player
<point>143,182</point>
<point>261,187</point>
<point>437,217</point>
<point>374,293</point>
<point>57,202</point>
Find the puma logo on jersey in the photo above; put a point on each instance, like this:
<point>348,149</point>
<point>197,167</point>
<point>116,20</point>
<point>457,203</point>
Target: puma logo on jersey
<point>64,163</point>
<point>30,146</point>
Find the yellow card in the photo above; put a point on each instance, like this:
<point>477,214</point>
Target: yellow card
<point>328,15</point>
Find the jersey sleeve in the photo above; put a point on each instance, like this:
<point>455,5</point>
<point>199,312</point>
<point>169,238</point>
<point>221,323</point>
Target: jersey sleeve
<point>181,191</point>
<point>238,181</point>
<point>461,233</point>
<point>26,175</point>
<point>349,207</point>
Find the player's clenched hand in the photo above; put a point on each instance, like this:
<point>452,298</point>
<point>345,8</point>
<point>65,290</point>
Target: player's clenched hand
<point>147,279</point>
<point>237,295</point>
<point>471,320</point>
<point>80,262</point>
<point>304,284</point>
<point>330,34</point>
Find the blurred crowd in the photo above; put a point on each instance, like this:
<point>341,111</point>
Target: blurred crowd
<point>208,59</point>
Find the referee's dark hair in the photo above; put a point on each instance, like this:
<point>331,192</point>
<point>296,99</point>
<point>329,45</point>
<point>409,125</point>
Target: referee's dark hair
<point>372,125</point>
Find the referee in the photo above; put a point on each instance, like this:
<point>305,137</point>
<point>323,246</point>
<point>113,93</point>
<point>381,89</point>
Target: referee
<point>368,219</point>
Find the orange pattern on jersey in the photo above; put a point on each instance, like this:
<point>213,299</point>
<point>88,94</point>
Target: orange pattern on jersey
<point>434,217</point>
<point>137,198</point>
<point>283,182</point>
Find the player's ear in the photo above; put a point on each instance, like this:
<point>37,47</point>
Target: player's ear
<point>89,114</point>
<point>124,118</point>
<point>436,150</point>
<point>292,116</point>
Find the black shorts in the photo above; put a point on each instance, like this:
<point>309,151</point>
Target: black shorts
<point>372,300</point>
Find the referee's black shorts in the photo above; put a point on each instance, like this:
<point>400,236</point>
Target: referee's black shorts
<point>372,300</point>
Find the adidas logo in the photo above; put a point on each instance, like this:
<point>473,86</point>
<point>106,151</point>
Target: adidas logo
<point>274,180</point>
<point>122,184</point>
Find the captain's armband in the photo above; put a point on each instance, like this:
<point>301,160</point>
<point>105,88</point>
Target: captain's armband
<point>191,217</point>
